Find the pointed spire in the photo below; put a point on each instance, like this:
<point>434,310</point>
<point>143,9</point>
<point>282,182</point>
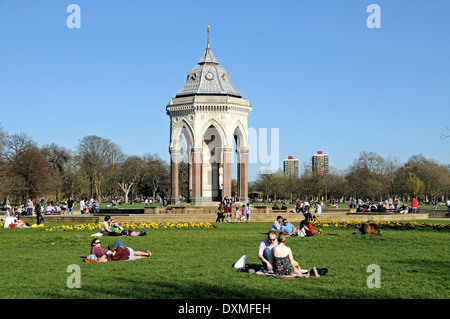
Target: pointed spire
<point>208,77</point>
<point>208,57</point>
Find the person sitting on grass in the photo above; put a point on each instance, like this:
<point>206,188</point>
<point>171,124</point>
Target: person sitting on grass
<point>305,229</point>
<point>265,249</point>
<point>370,228</point>
<point>317,212</point>
<point>277,224</point>
<point>283,260</point>
<point>307,213</point>
<point>287,228</point>
<point>119,253</point>
<point>19,222</point>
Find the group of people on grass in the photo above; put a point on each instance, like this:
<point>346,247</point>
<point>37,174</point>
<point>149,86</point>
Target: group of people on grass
<point>225,212</point>
<point>115,252</point>
<point>275,256</point>
<point>14,219</point>
<point>283,226</point>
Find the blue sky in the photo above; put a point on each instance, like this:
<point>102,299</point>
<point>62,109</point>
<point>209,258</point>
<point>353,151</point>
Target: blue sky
<point>312,69</point>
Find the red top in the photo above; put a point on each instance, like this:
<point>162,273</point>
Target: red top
<point>414,202</point>
<point>121,254</point>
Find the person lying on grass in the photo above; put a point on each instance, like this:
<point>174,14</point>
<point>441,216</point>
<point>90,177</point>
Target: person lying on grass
<point>98,251</point>
<point>111,228</point>
<point>119,253</point>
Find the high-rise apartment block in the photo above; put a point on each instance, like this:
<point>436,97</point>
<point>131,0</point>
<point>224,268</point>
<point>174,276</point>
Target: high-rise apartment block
<point>320,163</point>
<point>291,166</point>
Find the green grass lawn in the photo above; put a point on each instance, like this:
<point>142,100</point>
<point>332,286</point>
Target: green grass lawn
<point>197,264</point>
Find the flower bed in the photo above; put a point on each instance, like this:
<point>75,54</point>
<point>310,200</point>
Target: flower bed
<point>95,226</point>
<point>385,224</point>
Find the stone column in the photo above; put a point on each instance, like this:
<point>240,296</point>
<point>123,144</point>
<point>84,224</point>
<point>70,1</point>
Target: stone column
<point>243,175</point>
<point>227,153</point>
<point>174,174</point>
<point>196,197</point>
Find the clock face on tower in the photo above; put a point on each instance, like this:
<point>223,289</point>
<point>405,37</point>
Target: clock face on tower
<point>209,76</point>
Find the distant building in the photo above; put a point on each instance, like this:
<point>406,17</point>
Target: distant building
<point>320,163</point>
<point>290,166</point>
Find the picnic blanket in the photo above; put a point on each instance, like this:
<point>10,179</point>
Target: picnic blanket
<point>258,269</point>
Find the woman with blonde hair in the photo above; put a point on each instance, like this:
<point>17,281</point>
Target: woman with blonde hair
<point>283,260</point>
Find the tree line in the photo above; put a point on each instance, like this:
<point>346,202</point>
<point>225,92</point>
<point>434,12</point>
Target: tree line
<point>97,168</point>
<point>369,177</point>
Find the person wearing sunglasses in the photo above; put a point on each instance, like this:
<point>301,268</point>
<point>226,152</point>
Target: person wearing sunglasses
<point>265,249</point>
<point>98,251</point>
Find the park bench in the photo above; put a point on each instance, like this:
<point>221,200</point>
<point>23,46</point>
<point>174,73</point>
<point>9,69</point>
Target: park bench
<point>54,213</point>
<point>171,211</point>
<point>283,211</point>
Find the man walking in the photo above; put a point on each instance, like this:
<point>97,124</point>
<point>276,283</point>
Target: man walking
<point>70,204</point>
<point>248,212</point>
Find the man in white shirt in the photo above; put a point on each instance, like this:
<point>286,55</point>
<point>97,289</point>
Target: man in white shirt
<point>277,224</point>
<point>265,249</point>
<point>82,206</point>
<point>248,212</point>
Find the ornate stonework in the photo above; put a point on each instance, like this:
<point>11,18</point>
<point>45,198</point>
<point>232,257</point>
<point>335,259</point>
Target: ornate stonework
<point>212,116</point>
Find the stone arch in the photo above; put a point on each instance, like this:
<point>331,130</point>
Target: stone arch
<point>220,129</point>
<point>185,129</point>
<point>239,134</point>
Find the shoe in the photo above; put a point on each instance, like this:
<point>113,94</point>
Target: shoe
<point>149,253</point>
<point>322,271</point>
<point>314,272</point>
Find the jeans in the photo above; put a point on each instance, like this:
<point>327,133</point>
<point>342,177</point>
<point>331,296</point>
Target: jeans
<point>39,219</point>
<point>267,254</point>
<point>119,243</point>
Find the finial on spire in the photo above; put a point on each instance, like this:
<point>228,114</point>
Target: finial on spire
<point>208,33</point>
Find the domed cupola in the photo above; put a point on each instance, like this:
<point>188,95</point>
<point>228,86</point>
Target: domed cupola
<point>208,78</point>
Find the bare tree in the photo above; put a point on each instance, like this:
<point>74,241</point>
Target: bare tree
<point>58,158</point>
<point>30,168</point>
<point>130,172</point>
<point>14,144</point>
<point>96,155</point>
<point>445,135</point>
<point>156,175</point>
